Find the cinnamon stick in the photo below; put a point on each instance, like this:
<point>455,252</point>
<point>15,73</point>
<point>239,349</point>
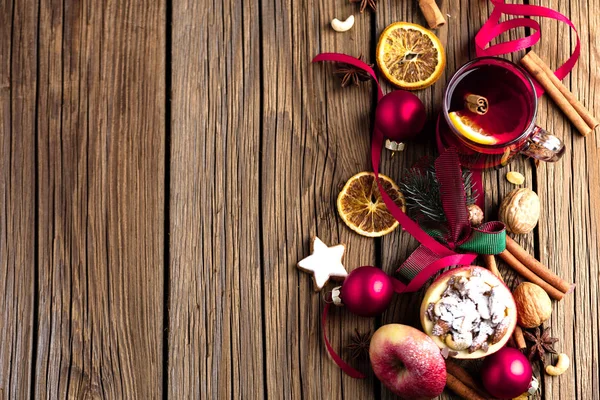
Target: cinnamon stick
<point>461,389</point>
<point>536,267</point>
<point>511,342</point>
<point>432,13</point>
<point>530,276</point>
<point>490,263</point>
<point>459,373</point>
<point>476,104</point>
<point>519,338</point>
<point>581,110</point>
<point>556,95</point>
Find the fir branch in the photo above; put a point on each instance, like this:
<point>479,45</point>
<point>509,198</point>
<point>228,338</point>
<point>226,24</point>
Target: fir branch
<point>421,190</point>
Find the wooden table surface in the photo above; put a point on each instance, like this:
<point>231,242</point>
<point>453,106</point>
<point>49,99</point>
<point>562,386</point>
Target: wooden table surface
<point>163,166</point>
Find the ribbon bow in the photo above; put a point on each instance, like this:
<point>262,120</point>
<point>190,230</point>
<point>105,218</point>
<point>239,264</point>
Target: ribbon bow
<point>489,238</point>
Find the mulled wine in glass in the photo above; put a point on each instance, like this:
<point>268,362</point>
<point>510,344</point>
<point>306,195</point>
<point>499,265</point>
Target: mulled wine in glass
<point>489,114</point>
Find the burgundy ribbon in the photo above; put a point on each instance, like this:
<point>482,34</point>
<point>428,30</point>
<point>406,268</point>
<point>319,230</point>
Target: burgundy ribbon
<point>452,193</point>
<point>494,28</point>
<point>350,371</point>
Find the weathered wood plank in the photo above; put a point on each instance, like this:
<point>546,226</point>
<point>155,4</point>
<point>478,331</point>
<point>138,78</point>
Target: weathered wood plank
<point>215,305</point>
<point>18,34</point>
<point>569,193</point>
<point>315,137</point>
<point>101,165</point>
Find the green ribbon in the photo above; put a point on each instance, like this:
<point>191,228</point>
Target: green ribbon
<point>489,238</point>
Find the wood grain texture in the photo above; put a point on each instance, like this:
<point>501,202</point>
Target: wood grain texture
<point>101,172</point>
<point>315,137</point>
<point>570,191</point>
<point>215,305</point>
<point>18,75</point>
<point>398,245</point>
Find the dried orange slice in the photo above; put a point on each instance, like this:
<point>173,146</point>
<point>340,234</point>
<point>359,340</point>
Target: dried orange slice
<point>410,56</point>
<point>470,129</point>
<point>361,207</point>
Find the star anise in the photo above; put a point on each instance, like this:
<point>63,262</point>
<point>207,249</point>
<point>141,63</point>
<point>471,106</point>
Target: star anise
<point>352,74</point>
<point>542,343</point>
<point>365,3</point>
<point>359,344</point>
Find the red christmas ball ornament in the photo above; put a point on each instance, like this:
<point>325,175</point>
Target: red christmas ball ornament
<point>367,291</point>
<point>506,373</point>
<point>400,115</point>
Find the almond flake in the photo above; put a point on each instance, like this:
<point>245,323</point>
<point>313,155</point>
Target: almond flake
<point>515,178</point>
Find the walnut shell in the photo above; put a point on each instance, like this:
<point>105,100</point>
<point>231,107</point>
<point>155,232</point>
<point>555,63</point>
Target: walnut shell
<point>520,211</point>
<point>533,305</point>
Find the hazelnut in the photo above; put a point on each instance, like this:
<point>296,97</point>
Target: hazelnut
<point>475,214</point>
<point>520,211</point>
<point>533,305</point>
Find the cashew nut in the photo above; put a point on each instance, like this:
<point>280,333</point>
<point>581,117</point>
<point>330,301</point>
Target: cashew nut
<point>342,26</point>
<point>460,344</point>
<point>561,365</point>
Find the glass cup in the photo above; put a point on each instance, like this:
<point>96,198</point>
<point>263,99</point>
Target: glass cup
<point>513,85</point>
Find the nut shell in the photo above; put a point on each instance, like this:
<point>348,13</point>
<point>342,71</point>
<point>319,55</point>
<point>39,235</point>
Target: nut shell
<point>475,215</point>
<point>533,305</point>
<point>520,211</point>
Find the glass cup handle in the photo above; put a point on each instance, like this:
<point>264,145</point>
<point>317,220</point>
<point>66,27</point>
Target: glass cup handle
<point>544,146</point>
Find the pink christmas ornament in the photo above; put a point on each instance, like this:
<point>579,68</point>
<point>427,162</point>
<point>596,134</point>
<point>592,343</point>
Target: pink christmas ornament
<point>400,116</point>
<point>506,373</point>
<point>367,291</point>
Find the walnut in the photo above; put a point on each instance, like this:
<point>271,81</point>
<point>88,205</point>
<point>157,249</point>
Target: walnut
<point>430,313</point>
<point>440,328</point>
<point>533,305</point>
<point>520,211</point>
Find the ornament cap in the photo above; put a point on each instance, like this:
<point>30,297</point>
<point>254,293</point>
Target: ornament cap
<point>533,386</point>
<point>335,296</point>
<point>394,146</point>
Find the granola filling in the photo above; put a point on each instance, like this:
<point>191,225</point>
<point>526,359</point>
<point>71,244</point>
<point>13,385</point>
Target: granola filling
<point>471,314</point>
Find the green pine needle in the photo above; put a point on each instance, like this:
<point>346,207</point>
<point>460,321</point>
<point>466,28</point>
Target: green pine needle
<point>421,190</point>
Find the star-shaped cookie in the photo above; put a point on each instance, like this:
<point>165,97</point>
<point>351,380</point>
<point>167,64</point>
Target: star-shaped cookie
<point>324,263</point>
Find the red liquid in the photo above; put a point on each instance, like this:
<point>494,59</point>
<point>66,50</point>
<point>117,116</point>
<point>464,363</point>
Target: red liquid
<point>511,108</point>
<point>509,98</point>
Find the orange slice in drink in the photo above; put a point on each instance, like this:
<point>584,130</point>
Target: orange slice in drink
<point>469,128</point>
<point>410,56</point>
<point>361,207</point>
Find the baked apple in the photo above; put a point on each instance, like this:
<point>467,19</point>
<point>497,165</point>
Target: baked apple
<point>469,312</point>
<point>407,362</point>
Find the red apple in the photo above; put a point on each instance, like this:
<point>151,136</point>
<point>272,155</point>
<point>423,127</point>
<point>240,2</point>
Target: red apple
<point>407,362</point>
